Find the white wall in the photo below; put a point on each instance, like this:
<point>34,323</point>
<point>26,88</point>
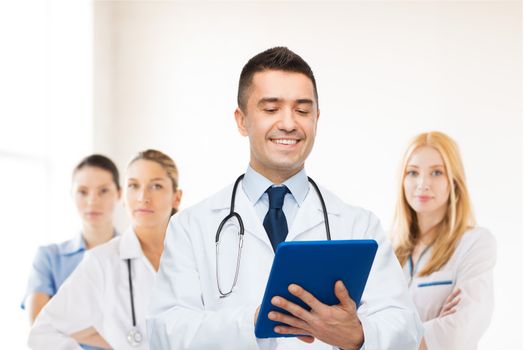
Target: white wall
<point>45,128</point>
<point>385,72</point>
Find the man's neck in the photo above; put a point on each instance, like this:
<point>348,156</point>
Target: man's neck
<point>276,176</point>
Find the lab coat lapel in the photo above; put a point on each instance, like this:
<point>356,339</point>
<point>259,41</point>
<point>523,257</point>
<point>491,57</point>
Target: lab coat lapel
<point>252,223</point>
<point>129,245</point>
<point>308,216</point>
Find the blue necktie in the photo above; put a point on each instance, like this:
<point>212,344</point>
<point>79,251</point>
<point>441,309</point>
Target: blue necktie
<point>275,221</point>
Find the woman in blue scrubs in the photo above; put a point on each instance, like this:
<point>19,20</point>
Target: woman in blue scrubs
<point>96,192</point>
<point>106,297</point>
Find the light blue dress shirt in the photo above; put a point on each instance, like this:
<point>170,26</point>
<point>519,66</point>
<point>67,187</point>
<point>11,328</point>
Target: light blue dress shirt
<point>51,267</point>
<point>255,186</point>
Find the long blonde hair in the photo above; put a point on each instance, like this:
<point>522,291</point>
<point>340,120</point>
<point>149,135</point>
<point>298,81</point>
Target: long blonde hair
<point>459,214</point>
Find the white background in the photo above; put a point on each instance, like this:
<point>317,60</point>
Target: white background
<point>118,77</point>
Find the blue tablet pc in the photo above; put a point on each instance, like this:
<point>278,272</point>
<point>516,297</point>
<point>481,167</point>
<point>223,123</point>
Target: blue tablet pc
<point>316,266</point>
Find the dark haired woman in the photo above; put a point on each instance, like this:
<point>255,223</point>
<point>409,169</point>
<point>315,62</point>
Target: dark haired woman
<point>106,297</point>
<point>96,192</point>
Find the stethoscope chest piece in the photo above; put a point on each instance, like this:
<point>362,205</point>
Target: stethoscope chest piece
<point>134,337</point>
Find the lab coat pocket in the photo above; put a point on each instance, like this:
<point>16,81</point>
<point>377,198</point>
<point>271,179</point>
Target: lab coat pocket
<point>432,291</point>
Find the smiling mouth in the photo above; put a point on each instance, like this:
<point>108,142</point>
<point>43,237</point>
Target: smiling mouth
<point>285,141</point>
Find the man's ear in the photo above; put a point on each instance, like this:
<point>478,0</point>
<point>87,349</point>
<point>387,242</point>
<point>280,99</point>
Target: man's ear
<point>240,118</point>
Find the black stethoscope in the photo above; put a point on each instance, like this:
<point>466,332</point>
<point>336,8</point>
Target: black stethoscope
<point>234,214</point>
<point>134,337</point>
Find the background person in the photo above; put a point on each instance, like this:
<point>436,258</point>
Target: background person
<point>108,292</point>
<point>447,260</point>
<point>96,192</point>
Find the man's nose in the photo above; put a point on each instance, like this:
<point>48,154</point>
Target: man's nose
<point>287,120</point>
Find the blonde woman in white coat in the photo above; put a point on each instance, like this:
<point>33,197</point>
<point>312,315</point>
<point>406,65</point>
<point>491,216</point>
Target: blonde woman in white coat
<point>107,295</point>
<point>447,260</point>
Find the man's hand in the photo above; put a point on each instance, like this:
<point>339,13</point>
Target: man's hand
<point>423,345</point>
<point>256,316</point>
<point>450,304</point>
<point>337,325</point>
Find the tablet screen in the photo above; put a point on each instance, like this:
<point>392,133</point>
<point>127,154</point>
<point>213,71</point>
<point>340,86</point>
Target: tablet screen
<point>315,266</point>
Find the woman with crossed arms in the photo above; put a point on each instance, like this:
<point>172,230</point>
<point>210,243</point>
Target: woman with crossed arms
<point>448,261</point>
<point>105,299</point>
<point>96,192</point>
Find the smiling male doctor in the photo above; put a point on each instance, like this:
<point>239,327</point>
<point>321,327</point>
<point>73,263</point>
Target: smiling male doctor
<point>278,111</point>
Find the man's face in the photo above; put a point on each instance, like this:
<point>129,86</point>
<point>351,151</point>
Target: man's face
<point>280,119</point>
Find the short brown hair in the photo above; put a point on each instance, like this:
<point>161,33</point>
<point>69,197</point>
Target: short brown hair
<point>276,58</point>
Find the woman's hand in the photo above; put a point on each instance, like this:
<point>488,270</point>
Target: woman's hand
<point>91,337</point>
<point>450,303</point>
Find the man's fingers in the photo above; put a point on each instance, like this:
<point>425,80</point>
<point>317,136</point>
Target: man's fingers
<point>292,308</point>
<point>288,320</point>
<point>305,296</point>
<point>342,295</point>
<point>306,338</point>
<point>281,329</point>
<point>256,315</point>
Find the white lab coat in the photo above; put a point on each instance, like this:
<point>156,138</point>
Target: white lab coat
<point>97,295</point>
<point>470,268</point>
<point>186,311</point>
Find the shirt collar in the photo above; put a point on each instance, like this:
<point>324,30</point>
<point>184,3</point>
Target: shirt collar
<point>255,185</point>
<point>72,246</point>
<point>129,245</point>
<point>75,245</point>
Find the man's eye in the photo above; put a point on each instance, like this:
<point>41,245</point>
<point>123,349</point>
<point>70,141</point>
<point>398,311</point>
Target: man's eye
<point>270,110</point>
<point>302,111</point>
